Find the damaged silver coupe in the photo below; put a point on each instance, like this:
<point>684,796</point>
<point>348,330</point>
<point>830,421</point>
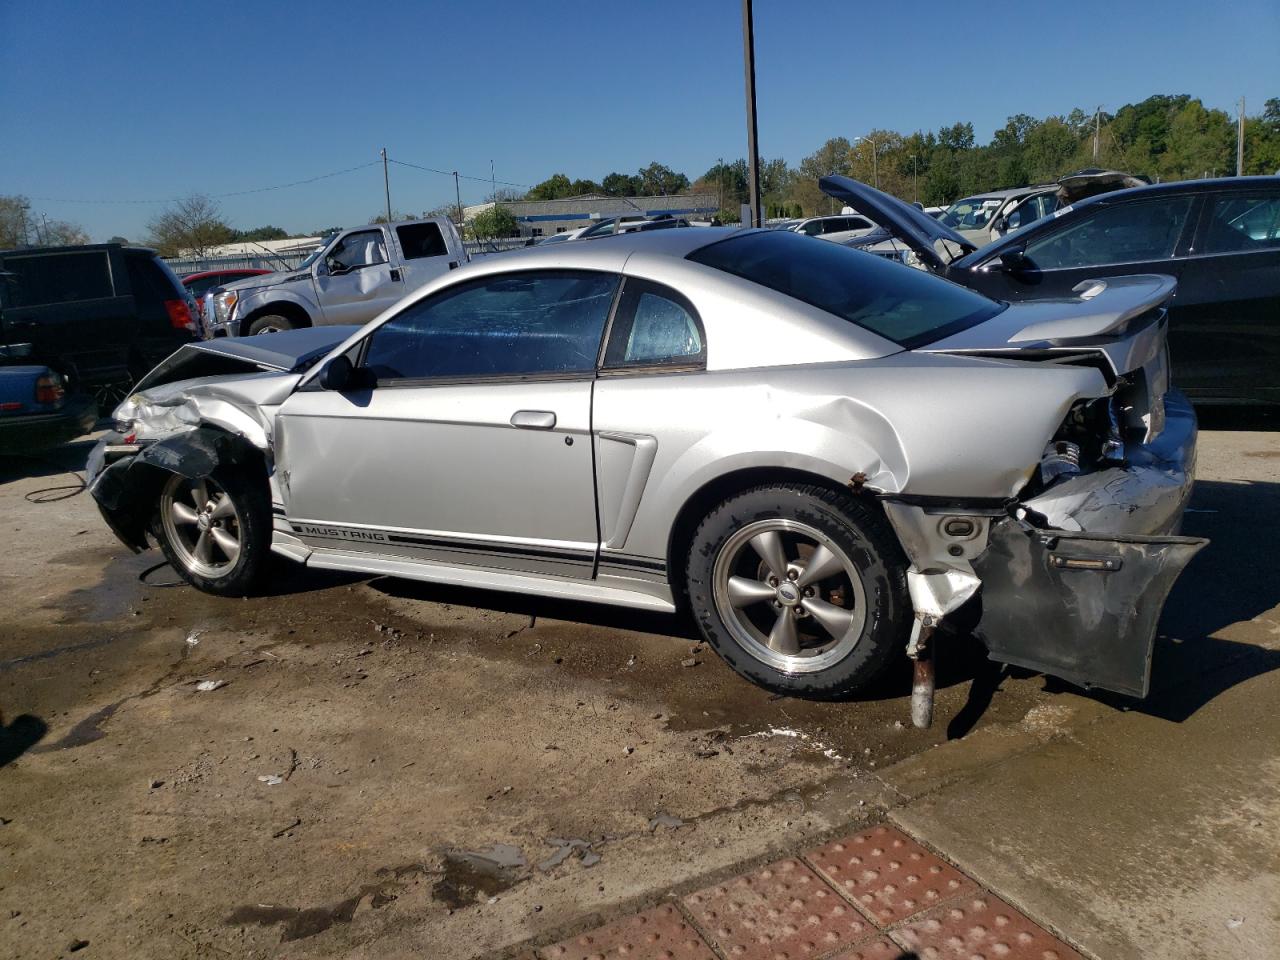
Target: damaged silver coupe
<point>822,454</point>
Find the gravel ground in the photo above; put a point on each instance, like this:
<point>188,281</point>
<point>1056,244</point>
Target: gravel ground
<point>387,767</point>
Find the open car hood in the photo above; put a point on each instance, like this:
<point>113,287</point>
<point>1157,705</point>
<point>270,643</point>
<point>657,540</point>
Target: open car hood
<point>291,351</point>
<point>932,241</point>
<point>1092,181</point>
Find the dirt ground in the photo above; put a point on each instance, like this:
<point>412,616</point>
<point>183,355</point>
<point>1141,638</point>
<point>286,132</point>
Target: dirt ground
<point>392,769</point>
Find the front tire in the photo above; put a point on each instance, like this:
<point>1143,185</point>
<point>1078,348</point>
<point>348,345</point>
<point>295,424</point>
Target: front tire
<point>215,531</point>
<point>271,323</point>
<point>800,589</point>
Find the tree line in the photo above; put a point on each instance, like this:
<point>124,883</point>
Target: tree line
<point>1162,138</point>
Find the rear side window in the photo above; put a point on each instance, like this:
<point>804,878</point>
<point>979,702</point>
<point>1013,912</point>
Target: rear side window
<point>522,324</point>
<point>150,281</point>
<point>908,306</point>
<point>1239,224</point>
<point>654,326</point>
<point>419,240</point>
<point>1124,233</point>
<point>49,278</point>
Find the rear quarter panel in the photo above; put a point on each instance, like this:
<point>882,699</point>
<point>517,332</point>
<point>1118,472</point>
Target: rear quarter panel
<point>912,423</point>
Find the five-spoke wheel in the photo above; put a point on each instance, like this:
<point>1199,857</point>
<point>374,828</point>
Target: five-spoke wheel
<point>790,594</point>
<point>202,523</point>
<point>215,530</point>
<point>800,588</point>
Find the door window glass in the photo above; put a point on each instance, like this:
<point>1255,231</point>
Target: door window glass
<point>1125,233</point>
<point>419,240</point>
<point>654,325</point>
<point>356,250</point>
<point>812,228</point>
<point>513,324</point>
<point>1239,224</point>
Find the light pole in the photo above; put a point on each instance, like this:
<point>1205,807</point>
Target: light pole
<point>875,160</point>
<point>915,194</point>
<point>753,154</point>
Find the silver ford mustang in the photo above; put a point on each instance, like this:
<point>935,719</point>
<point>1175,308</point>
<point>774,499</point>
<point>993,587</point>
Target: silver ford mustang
<point>823,455</point>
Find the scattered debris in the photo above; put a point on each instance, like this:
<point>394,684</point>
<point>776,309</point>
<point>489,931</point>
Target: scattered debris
<point>204,686</point>
<point>565,848</point>
<point>76,945</point>
<point>691,662</point>
<point>1234,922</point>
<point>271,780</point>
<point>193,638</point>
<point>280,833</point>
<point>665,820</point>
<point>630,750</point>
<point>156,784</point>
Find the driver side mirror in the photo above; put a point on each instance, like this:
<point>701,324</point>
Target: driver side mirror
<point>1012,261</point>
<point>342,375</point>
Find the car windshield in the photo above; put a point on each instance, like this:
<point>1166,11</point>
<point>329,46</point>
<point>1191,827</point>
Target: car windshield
<point>972,213</point>
<point>910,307</point>
<point>314,255</point>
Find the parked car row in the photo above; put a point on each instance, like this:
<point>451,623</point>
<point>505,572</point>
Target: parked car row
<point>1219,239</point>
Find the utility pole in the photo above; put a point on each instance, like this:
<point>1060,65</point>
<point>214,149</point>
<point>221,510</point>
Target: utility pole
<point>753,153</point>
<point>1240,142</point>
<point>386,182</point>
<point>494,179</point>
<point>720,183</point>
<point>915,194</point>
<point>457,195</point>
<point>875,160</point>
<point>1097,130</point>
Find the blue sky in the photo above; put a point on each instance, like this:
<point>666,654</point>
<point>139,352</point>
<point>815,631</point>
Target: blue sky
<point>133,100</point>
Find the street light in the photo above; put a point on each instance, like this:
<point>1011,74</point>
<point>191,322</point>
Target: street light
<point>875,156</point>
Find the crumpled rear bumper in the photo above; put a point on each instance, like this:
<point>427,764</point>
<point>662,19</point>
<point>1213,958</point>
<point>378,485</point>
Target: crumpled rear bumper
<point>1071,582</point>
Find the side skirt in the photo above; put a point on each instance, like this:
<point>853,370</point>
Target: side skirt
<point>642,596</point>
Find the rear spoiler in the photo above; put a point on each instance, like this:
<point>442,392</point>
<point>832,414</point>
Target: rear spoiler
<point>1100,308</point>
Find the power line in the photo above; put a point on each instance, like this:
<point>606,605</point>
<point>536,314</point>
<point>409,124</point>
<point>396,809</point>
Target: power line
<point>285,186</point>
<point>220,196</point>
<point>461,176</point>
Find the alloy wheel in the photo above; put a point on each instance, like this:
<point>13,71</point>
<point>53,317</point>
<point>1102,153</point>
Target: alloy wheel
<point>202,524</point>
<point>790,595</point>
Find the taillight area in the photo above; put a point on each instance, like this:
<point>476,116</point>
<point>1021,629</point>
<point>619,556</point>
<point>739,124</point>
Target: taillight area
<point>180,315</point>
<point>50,389</point>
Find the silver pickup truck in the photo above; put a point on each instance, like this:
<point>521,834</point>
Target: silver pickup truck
<point>352,278</point>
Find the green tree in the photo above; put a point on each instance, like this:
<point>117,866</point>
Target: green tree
<point>495,222</point>
<point>660,180</point>
<point>20,227</point>
<point>268,232</point>
<point>621,185</point>
<point>555,187</point>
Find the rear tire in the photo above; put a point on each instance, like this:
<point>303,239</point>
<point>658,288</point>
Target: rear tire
<point>215,531</point>
<point>800,589</point>
<point>271,323</point>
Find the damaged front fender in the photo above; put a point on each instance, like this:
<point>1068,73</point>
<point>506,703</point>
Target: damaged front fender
<point>126,488</point>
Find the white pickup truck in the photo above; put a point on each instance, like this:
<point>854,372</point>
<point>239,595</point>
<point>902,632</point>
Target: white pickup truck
<point>352,278</point>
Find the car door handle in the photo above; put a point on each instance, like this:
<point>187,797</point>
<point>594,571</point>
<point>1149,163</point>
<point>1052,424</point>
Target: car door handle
<point>533,419</point>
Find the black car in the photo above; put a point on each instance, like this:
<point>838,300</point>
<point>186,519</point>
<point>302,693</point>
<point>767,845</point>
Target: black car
<point>1220,239</point>
<point>102,315</point>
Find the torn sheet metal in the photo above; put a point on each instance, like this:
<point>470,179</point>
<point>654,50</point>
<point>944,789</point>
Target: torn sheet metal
<point>1080,606</point>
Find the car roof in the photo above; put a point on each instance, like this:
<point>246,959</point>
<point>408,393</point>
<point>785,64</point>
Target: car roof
<point>1214,185</point>
<point>609,252</point>
<point>247,271</point>
<point>1005,194</point>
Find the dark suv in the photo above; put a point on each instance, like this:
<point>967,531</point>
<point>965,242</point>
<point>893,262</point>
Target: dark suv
<point>102,315</point>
